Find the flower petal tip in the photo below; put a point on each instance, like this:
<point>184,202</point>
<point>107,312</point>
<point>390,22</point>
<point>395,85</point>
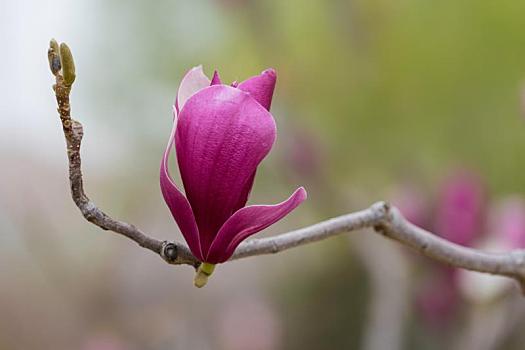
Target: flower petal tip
<point>194,81</point>
<point>270,72</point>
<point>216,80</point>
<point>261,87</point>
<point>248,221</point>
<point>302,194</point>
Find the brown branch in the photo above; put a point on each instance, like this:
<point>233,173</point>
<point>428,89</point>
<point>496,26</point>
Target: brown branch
<point>380,216</point>
<point>389,222</point>
<point>174,253</point>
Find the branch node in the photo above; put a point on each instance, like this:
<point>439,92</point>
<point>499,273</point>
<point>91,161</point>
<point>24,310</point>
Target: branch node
<point>275,247</point>
<point>169,252</point>
<point>380,228</point>
<point>383,210</point>
<point>78,130</point>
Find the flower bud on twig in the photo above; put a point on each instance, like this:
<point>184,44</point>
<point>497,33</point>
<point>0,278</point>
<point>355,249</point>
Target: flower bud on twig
<point>53,57</point>
<point>68,65</point>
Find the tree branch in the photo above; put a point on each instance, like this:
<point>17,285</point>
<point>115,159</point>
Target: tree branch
<point>175,253</point>
<point>381,216</point>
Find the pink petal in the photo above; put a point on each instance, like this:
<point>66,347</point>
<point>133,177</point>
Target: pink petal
<point>248,221</point>
<point>178,204</point>
<point>192,82</point>
<point>222,136</point>
<point>245,193</point>
<point>261,87</point>
<point>216,80</point>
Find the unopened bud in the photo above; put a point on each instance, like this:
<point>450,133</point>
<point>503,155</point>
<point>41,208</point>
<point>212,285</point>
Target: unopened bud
<point>53,57</point>
<point>68,65</point>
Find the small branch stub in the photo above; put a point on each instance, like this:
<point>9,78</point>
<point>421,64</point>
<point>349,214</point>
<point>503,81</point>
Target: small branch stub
<point>169,252</point>
<point>203,272</point>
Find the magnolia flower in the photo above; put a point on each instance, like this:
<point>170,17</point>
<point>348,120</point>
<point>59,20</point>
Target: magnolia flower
<point>221,134</point>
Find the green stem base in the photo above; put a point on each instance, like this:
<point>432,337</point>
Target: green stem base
<point>203,272</point>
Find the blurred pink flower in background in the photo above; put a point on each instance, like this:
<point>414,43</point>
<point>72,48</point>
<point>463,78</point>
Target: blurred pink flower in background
<point>460,208</point>
<point>507,222</point>
<point>459,218</point>
<point>506,231</point>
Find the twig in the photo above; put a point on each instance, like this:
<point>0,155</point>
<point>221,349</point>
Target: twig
<point>381,216</point>
<point>175,253</point>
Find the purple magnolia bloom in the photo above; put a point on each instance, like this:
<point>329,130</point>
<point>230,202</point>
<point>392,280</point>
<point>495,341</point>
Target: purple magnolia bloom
<point>221,134</point>
<point>460,210</point>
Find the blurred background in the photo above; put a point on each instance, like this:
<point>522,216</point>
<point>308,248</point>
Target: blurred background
<point>412,101</point>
